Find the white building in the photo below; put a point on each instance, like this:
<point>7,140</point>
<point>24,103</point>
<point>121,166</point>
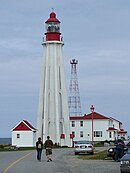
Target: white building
<point>104,128</point>
<point>23,135</point>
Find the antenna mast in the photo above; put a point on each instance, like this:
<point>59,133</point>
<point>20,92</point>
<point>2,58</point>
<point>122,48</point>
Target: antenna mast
<point>74,97</point>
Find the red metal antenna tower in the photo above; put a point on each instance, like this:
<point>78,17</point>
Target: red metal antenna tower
<point>74,96</point>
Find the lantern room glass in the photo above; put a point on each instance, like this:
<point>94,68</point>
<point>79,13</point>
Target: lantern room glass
<point>52,27</point>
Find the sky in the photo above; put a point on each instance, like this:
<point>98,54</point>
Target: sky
<point>95,32</point>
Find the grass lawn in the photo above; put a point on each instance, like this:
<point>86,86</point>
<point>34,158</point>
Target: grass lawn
<point>97,156</point>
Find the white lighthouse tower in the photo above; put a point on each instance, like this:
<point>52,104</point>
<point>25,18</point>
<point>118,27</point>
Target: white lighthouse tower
<point>53,114</point>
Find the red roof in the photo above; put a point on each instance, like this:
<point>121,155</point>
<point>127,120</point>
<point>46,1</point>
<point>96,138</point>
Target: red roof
<point>96,116</point>
<point>52,18</point>
<point>24,126</point>
<point>122,132</point>
<point>119,132</point>
<point>111,128</point>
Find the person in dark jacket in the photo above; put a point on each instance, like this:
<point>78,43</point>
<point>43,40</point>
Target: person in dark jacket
<point>48,146</point>
<point>39,147</point>
<point>119,151</point>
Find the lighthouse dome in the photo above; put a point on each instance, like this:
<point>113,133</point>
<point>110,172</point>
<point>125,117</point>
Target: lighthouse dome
<point>52,15</point>
<point>52,18</point>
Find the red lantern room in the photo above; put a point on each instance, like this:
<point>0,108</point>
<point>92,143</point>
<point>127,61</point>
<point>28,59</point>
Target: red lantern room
<point>52,28</point>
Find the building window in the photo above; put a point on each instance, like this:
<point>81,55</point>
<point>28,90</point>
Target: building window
<point>73,123</point>
<point>18,136</point>
<point>110,135</point>
<point>81,123</point>
<point>110,123</point>
<point>81,134</point>
<point>97,133</point>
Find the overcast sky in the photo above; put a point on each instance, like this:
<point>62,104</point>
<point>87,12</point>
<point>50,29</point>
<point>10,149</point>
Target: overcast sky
<point>95,32</point>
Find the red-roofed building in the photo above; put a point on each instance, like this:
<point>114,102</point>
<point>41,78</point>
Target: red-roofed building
<point>23,134</point>
<point>104,128</point>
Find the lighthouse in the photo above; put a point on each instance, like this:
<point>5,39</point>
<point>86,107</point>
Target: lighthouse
<point>53,112</point>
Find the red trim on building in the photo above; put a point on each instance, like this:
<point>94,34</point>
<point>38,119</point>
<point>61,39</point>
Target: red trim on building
<point>111,128</point>
<point>119,132</point>
<point>24,126</point>
<point>29,124</point>
<point>89,116</point>
<point>53,36</point>
<point>122,132</point>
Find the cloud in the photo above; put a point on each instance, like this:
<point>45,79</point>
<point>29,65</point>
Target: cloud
<point>16,43</point>
<point>20,76</point>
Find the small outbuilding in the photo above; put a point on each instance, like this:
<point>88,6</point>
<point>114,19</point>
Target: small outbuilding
<point>23,135</point>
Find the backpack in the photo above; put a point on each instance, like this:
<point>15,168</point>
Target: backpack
<point>39,145</point>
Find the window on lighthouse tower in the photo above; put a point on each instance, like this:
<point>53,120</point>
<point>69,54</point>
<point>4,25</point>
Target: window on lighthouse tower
<point>52,27</point>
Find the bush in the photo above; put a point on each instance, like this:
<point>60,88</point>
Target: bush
<point>1,146</point>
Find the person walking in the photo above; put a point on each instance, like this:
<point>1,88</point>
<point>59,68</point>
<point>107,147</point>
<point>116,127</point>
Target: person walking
<point>39,147</point>
<point>48,146</point>
<point>119,152</point>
